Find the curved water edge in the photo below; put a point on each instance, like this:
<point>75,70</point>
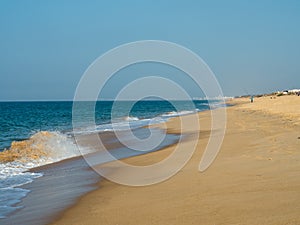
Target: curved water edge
<point>64,182</point>
<point>40,149</point>
<point>48,147</point>
<point>45,148</point>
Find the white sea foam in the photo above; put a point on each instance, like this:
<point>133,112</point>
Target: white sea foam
<point>49,147</point>
<point>130,122</point>
<point>180,113</point>
<point>52,147</point>
<point>131,118</point>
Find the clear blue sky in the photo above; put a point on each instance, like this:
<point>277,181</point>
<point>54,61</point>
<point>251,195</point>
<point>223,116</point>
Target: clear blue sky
<point>45,46</point>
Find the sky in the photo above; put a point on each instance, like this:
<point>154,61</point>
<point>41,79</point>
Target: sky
<point>46,46</point>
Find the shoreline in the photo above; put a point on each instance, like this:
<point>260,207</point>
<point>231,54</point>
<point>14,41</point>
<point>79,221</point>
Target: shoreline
<point>68,179</point>
<point>244,174</point>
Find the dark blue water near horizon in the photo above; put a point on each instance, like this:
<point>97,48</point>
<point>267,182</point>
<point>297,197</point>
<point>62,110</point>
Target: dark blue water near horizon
<point>20,120</point>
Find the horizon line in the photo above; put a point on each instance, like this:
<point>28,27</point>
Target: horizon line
<point>72,100</point>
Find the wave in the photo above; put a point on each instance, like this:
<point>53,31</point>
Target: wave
<point>131,122</point>
<point>180,113</point>
<point>131,118</point>
<point>46,147</point>
<point>40,149</point>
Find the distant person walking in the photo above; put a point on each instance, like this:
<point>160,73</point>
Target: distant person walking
<point>251,98</point>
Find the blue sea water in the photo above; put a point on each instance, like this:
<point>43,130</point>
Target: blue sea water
<point>48,126</point>
<point>20,120</point>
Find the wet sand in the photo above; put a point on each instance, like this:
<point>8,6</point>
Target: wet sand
<point>65,181</point>
<point>255,178</point>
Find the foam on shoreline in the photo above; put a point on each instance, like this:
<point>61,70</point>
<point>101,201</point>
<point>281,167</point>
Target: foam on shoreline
<point>40,149</point>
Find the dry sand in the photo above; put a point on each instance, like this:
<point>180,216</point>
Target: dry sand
<point>254,180</point>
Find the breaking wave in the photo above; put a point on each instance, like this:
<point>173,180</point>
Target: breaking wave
<point>40,149</point>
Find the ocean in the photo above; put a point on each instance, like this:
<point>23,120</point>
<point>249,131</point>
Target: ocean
<point>35,134</point>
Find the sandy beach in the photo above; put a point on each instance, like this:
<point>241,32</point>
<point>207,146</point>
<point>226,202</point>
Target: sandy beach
<point>150,112</point>
<point>255,178</point>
